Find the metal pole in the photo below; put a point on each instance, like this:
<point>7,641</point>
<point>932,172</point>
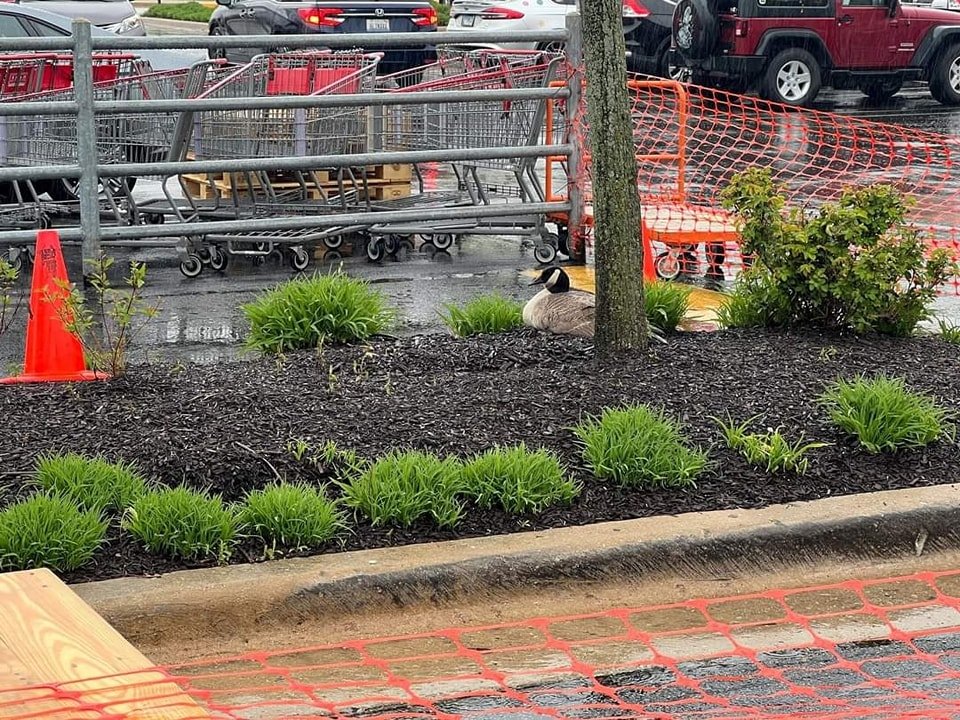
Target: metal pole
<point>576,118</point>
<point>86,143</point>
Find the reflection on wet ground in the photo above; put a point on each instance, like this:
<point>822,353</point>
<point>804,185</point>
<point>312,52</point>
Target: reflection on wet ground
<point>866,649</point>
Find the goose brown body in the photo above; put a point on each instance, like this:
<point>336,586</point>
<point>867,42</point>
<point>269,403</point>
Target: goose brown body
<point>558,309</point>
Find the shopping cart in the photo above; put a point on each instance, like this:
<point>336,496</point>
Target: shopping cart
<point>24,74</point>
<point>473,124</point>
<point>252,133</point>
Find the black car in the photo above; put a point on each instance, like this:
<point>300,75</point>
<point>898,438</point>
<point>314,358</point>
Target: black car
<point>648,37</point>
<point>281,17</point>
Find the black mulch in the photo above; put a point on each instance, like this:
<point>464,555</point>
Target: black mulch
<point>226,427</point>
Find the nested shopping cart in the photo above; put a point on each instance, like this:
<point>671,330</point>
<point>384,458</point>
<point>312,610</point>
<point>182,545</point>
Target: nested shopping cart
<point>259,133</point>
<point>470,124</point>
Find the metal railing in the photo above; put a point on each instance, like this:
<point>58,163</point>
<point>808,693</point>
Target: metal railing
<point>91,169</point>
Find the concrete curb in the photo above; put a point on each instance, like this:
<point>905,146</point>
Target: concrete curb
<point>225,601</point>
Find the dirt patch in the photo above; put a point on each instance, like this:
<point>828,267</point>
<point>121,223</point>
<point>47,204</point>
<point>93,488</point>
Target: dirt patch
<point>226,427</point>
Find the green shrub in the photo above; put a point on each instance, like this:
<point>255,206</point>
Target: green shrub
<point>182,523</point>
<point>443,13</point>
<point>484,314</point>
<point>517,479</point>
<point>855,264</point>
<point>666,304</point>
<point>303,312</point>
<point>8,307</point>
<point>770,449</point>
<point>291,516</point>
<point>755,302</point>
<point>92,483</point>
<point>949,333</point>
<point>403,486</point>
<point>638,447</point>
<point>884,414</point>
<point>189,11</point>
<point>48,531</point>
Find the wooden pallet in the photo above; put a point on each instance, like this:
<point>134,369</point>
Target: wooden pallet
<point>50,637</point>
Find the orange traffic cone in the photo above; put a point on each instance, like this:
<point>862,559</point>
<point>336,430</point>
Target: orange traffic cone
<point>649,271</point>
<point>53,354</point>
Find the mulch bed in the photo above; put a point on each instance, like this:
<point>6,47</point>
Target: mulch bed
<point>226,427</point>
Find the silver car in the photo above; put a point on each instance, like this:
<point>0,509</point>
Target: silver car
<point>116,16</point>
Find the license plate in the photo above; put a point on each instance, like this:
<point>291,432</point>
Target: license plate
<point>468,20</point>
<point>378,25</point>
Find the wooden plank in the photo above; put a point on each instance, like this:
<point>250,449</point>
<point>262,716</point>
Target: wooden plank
<point>49,635</point>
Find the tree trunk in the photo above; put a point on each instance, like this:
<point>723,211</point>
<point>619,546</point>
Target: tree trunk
<point>621,323</point>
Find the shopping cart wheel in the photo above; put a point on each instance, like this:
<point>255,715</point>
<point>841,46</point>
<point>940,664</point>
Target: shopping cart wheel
<point>442,241</point>
<point>191,267</point>
<point>299,259</point>
<point>376,249</point>
<point>545,253</point>
<point>218,259</point>
<point>153,218</point>
<point>667,266</point>
<point>333,242</point>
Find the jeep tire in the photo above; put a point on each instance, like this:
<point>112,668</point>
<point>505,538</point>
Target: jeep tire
<point>695,29</point>
<point>792,77</point>
<point>879,90</point>
<point>945,76</point>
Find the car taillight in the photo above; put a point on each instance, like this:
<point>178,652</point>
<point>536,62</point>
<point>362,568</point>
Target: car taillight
<point>321,17</point>
<point>634,9</point>
<point>740,28</point>
<point>424,17</point>
<point>500,13</point>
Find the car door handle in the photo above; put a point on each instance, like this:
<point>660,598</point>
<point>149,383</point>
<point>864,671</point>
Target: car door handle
<point>845,20</point>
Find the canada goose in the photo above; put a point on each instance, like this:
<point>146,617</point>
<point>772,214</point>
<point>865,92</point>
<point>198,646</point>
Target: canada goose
<point>557,308</point>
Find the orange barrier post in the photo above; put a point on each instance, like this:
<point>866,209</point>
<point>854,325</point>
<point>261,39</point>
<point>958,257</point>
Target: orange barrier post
<point>52,353</point>
<point>649,271</point>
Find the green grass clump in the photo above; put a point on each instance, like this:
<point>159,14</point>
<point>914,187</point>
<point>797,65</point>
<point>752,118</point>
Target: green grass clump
<point>770,449</point>
<point>949,333</point>
<point>189,11</point>
<point>92,483</point>
<point>484,314</point>
<point>182,523</point>
<point>48,531</point>
<point>666,304</point>
<point>403,486</point>
<point>884,414</point>
<point>290,516</point>
<point>306,311</point>
<point>639,447</point>
<point>518,479</point>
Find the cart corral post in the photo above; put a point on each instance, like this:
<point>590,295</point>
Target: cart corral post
<point>86,144</point>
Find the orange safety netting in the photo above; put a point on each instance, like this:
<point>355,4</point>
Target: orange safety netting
<point>858,649</point>
<point>691,140</point>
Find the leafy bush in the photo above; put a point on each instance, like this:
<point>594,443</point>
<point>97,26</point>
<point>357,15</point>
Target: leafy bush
<point>8,308</point>
<point>855,264</point>
<point>189,11</point>
<point>292,516</point>
<point>48,531</point>
<point>443,12</point>
<point>403,486</point>
<point>518,479</point>
<point>949,333</point>
<point>637,447</point>
<point>770,449</point>
<point>666,304</point>
<point>484,314</point>
<point>92,483</point>
<point>305,311</point>
<point>884,414</point>
<point>182,523</point>
<point>107,331</point>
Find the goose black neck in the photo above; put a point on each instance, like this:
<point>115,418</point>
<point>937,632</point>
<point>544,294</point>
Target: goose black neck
<point>562,283</point>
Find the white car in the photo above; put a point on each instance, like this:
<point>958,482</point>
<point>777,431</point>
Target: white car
<point>646,25</point>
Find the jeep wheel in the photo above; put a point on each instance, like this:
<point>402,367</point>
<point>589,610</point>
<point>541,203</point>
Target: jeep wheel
<point>791,78</point>
<point>945,77</point>
<point>880,90</point>
<point>695,28</point>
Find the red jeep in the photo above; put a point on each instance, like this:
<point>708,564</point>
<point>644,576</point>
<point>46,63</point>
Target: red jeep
<point>789,49</point>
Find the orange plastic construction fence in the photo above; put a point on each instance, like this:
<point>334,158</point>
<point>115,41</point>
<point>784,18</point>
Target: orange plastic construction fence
<point>860,649</point>
<point>691,140</point>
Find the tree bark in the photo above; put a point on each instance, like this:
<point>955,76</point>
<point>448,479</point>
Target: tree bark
<point>621,322</point>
